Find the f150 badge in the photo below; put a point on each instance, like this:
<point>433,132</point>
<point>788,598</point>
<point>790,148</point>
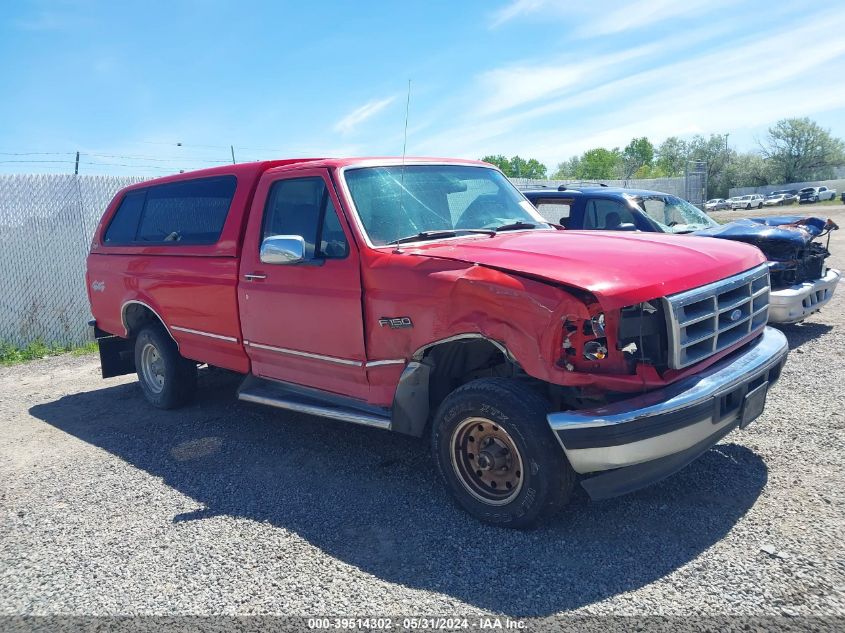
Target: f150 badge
<point>396,323</point>
<point>98,286</point>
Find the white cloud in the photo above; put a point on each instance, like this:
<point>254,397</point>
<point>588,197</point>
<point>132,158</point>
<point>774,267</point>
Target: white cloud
<point>352,120</point>
<point>636,15</point>
<point>602,17</point>
<point>511,86</point>
<point>750,81</point>
<point>515,9</point>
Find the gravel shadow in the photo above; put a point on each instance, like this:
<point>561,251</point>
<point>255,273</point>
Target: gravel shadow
<point>797,334</point>
<point>371,499</point>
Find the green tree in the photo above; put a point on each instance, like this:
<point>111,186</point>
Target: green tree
<point>672,156</point>
<point>800,150</point>
<point>599,164</point>
<point>639,153</point>
<point>650,171</point>
<point>518,167</point>
<point>499,161</point>
<point>567,169</point>
<point>745,170</point>
<point>530,168</point>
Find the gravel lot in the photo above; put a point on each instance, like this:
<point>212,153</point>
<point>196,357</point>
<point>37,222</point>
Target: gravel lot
<point>110,507</point>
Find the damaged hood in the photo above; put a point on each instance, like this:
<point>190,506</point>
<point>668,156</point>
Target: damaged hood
<point>619,269</point>
<point>772,234</point>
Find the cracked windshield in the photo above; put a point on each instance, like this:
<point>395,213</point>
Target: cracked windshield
<point>395,203</point>
<point>674,215</point>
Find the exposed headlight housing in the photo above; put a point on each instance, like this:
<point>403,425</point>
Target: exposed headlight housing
<point>595,350</point>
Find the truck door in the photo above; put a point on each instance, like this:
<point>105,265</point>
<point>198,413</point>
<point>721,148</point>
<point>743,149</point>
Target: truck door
<point>299,289</point>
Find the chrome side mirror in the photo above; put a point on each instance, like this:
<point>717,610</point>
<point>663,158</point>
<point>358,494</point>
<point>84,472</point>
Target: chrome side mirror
<point>282,249</point>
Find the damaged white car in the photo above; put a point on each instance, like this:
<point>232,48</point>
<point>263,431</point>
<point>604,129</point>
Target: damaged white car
<point>800,279</point>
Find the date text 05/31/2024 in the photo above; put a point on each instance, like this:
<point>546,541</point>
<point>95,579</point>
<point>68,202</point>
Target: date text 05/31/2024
<point>475,623</point>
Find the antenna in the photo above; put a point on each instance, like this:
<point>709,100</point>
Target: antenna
<point>404,148</point>
<point>407,109</point>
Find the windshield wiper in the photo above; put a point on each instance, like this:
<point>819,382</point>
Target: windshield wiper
<point>519,224</point>
<point>436,235</point>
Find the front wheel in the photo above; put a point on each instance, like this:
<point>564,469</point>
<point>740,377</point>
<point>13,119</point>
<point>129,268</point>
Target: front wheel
<point>167,379</point>
<point>497,455</point>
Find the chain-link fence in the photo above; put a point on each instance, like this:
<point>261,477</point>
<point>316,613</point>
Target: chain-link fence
<point>46,224</point>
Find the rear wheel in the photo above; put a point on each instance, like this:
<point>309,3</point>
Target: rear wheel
<point>167,379</point>
<point>497,455</point>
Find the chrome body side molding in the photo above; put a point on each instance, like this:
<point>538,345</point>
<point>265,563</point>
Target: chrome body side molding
<point>187,330</point>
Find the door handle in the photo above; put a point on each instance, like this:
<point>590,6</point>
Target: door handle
<point>254,276</point>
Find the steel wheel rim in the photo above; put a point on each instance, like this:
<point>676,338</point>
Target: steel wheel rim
<point>152,368</point>
<point>486,461</point>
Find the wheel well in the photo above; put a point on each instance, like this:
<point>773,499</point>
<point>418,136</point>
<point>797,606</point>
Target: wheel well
<point>439,369</point>
<point>455,363</point>
<point>137,315</point>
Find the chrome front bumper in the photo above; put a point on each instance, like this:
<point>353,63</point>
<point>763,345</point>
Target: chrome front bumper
<point>796,303</point>
<point>659,432</point>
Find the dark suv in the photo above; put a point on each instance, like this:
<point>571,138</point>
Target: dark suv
<point>599,207</point>
<point>801,281</point>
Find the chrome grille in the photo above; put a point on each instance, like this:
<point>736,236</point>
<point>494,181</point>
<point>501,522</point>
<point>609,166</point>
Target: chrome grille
<point>711,318</point>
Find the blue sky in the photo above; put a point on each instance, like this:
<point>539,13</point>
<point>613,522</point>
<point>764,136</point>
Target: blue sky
<point>124,82</point>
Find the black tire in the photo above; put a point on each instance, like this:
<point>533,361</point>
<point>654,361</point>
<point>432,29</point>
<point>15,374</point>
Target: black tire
<point>759,205</point>
<point>545,479</point>
<point>169,381</point>
<point>748,207</point>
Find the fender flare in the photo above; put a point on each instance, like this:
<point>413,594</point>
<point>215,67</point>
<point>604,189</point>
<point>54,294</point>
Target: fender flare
<point>411,407</point>
<point>129,302</point>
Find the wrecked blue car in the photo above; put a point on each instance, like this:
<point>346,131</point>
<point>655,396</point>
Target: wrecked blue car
<point>801,282</point>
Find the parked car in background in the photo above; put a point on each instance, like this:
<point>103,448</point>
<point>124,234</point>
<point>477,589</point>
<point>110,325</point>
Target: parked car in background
<point>717,204</point>
<point>750,201</point>
<point>791,194</point>
<point>816,194</point>
<point>428,297</point>
<point>778,199</point>
<point>801,281</point>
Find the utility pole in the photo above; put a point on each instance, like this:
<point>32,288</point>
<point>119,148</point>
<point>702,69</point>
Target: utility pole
<point>232,147</point>
<point>727,134</point>
<point>76,167</point>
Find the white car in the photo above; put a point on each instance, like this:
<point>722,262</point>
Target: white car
<point>750,201</point>
<point>816,194</point>
<point>717,204</point>
<point>778,199</point>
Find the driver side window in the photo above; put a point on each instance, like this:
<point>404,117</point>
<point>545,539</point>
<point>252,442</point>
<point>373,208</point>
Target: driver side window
<point>303,206</point>
<point>606,215</point>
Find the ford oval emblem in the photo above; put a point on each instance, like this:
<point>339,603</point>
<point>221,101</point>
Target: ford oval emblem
<point>735,315</point>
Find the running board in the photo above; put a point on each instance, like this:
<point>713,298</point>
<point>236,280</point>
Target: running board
<point>284,395</point>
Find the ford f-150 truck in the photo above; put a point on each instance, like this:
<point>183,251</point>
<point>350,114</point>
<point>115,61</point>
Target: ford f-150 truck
<point>428,296</point>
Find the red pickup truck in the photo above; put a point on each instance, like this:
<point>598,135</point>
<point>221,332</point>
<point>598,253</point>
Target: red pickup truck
<point>427,296</point>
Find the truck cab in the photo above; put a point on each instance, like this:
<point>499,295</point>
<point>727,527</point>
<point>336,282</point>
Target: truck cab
<point>428,297</point>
